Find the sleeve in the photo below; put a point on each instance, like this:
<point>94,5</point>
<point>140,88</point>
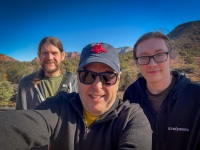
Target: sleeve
<point>75,85</point>
<point>137,133</point>
<point>19,97</point>
<point>24,129</point>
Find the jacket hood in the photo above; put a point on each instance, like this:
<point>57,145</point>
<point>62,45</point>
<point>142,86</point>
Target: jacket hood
<point>181,82</point>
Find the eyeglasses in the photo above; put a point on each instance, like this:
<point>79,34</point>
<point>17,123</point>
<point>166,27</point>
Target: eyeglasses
<point>89,77</point>
<point>160,57</point>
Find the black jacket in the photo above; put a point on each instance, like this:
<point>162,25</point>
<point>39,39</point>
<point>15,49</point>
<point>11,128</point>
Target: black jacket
<point>60,119</point>
<point>177,127</point>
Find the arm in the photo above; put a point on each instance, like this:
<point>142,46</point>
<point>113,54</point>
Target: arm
<point>24,129</point>
<point>137,133</point>
<point>74,84</point>
<point>19,97</point>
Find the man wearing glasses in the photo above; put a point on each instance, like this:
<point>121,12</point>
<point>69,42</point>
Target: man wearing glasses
<point>94,119</point>
<point>170,100</point>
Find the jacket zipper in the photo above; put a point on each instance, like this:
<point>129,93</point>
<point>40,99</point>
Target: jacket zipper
<point>39,93</point>
<point>85,135</point>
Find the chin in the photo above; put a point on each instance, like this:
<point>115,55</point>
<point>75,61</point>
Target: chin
<point>154,79</point>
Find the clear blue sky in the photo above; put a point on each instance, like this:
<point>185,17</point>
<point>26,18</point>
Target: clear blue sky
<point>23,23</point>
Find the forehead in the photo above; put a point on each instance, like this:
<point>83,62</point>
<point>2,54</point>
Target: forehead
<point>152,45</point>
<point>49,47</point>
<point>98,66</point>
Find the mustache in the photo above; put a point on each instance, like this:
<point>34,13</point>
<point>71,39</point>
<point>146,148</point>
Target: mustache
<point>50,61</point>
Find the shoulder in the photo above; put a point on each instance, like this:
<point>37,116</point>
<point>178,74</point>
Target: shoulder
<point>184,82</point>
<point>128,109</point>
<point>131,91</point>
<point>69,76</point>
<point>130,87</point>
<point>194,86</point>
<point>139,83</point>
<point>28,77</point>
<point>58,101</point>
<point>127,105</point>
<point>132,113</point>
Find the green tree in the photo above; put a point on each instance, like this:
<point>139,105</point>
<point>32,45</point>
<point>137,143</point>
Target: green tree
<point>6,92</point>
<point>17,70</point>
<point>70,65</point>
<point>2,74</point>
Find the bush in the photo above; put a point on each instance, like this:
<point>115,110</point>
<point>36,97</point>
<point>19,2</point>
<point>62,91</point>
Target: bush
<point>17,70</point>
<point>6,93</point>
<point>188,60</point>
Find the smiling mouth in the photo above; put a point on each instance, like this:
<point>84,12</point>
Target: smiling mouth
<point>96,97</point>
<point>49,63</point>
<point>155,71</point>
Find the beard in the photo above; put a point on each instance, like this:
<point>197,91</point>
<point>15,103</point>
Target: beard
<point>51,69</point>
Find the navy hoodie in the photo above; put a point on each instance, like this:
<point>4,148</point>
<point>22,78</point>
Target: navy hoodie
<point>177,126</point>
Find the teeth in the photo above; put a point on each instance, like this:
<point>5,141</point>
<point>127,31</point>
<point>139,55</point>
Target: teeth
<point>97,97</point>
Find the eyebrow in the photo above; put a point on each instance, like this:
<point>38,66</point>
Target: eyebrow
<point>156,51</point>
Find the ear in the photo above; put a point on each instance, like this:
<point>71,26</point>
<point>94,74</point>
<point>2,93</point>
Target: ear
<point>39,55</point>
<point>136,63</point>
<point>119,76</point>
<point>63,55</point>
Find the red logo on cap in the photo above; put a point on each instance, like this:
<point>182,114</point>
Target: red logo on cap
<point>98,49</point>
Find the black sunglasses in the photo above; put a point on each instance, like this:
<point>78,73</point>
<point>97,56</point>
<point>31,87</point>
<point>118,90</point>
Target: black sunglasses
<point>89,77</point>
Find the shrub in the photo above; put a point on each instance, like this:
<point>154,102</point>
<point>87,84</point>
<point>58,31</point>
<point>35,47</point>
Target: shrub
<point>6,93</point>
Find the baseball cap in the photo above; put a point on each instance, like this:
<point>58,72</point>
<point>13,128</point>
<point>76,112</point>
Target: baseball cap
<point>99,52</point>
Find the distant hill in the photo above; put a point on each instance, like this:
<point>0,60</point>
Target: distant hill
<point>6,58</point>
<point>70,55</point>
<point>124,49</point>
<point>186,37</point>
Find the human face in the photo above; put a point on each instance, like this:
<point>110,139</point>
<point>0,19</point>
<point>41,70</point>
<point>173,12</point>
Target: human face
<point>154,72</point>
<point>51,59</point>
<point>98,98</point>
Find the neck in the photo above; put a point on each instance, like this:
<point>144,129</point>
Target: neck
<point>158,87</point>
<point>89,118</point>
<point>55,74</point>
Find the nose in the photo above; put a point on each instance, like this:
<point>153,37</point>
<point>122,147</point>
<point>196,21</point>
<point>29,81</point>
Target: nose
<point>97,84</point>
<point>152,62</point>
<point>49,56</point>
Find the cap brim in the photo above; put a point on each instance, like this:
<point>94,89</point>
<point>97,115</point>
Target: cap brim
<point>97,59</point>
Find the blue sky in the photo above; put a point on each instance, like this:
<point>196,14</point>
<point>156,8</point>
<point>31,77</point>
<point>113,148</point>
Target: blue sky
<point>23,23</point>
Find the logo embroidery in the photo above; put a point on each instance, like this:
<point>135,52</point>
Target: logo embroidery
<point>98,49</point>
<point>178,129</point>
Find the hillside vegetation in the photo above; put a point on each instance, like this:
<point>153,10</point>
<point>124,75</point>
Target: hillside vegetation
<point>185,39</point>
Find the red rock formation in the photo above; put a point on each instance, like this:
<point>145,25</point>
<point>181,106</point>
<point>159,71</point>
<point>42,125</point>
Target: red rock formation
<point>6,58</point>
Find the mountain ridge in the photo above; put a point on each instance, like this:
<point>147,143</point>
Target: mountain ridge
<point>184,37</point>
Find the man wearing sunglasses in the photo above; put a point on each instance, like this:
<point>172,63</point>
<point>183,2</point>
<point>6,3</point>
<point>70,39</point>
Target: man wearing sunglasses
<point>170,100</point>
<point>93,119</point>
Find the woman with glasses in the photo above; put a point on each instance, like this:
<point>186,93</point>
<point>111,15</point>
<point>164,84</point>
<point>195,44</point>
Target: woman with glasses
<point>93,119</point>
<point>170,100</point>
